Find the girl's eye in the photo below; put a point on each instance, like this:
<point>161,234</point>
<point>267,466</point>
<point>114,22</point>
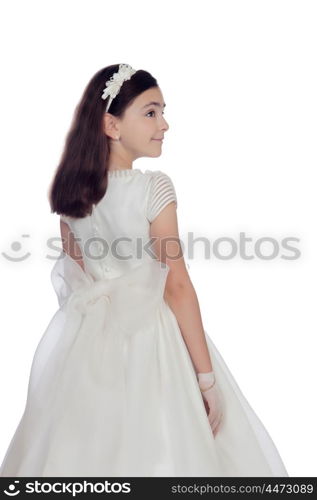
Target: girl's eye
<point>154,112</point>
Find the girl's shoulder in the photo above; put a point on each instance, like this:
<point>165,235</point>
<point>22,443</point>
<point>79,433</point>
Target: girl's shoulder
<point>157,174</point>
<point>161,192</point>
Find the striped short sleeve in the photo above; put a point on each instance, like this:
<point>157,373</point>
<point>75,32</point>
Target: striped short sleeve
<point>162,192</point>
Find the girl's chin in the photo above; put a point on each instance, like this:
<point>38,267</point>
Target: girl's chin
<point>153,154</point>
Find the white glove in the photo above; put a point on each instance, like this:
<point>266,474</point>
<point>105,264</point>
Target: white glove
<point>208,387</point>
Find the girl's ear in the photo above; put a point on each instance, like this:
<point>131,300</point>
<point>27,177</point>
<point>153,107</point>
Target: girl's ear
<point>110,126</point>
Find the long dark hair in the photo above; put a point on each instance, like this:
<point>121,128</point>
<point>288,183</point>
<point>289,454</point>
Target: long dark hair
<point>81,179</point>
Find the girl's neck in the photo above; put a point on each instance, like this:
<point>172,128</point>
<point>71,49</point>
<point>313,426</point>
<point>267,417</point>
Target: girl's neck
<point>117,167</point>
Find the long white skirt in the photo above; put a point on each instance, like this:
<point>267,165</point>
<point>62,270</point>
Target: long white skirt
<point>113,391</point>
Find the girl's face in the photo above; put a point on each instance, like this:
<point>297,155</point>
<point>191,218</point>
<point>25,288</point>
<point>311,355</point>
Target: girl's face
<point>143,123</point>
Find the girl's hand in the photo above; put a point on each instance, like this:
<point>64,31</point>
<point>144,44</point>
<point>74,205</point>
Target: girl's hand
<point>212,397</point>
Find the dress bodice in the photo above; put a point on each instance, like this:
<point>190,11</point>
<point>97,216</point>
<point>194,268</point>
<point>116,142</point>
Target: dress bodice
<point>115,237</point>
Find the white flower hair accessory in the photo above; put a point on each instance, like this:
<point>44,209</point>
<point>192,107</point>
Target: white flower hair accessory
<point>113,85</point>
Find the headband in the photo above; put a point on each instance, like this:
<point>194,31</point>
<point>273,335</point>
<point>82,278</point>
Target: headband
<point>113,85</point>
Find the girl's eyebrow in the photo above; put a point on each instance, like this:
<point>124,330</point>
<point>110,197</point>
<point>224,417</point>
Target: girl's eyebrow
<point>154,103</point>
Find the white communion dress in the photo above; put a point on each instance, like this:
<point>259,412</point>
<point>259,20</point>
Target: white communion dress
<point>112,390</point>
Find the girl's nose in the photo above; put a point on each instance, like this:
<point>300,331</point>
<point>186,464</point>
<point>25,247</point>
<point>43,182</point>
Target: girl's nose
<point>165,124</point>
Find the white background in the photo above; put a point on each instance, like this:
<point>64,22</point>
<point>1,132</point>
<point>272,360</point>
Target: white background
<point>239,81</point>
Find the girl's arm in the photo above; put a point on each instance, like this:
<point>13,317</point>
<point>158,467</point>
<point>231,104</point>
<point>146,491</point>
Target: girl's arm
<point>179,291</point>
<point>70,245</point>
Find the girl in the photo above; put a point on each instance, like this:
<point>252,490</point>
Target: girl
<point>125,381</point>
